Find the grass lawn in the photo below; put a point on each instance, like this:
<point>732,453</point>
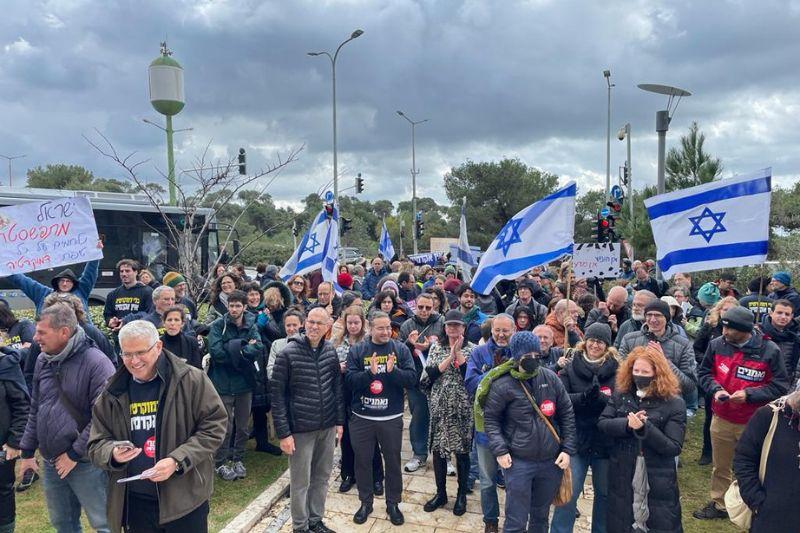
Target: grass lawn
<point>230,497</point>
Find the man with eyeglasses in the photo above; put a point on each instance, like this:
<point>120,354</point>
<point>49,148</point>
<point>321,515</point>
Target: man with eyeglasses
<point>161,419</point>
<point>636,321</point>
<point>163,299</point>
<point>377,371</point>
<point>483,358</point>
<point>418,332</point>
<point>308,411</point>
<point>70,373</point>
<point>234,343</point>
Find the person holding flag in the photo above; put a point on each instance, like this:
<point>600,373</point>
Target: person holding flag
<point>465,261</point>
<point>318,249</point>
<point>385,246</point>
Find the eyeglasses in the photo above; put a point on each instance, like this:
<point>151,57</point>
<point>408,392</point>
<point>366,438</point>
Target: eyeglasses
<point>425,307</point>
<point>139,354</point>
<point>298,282</point>
<point>314,323</point>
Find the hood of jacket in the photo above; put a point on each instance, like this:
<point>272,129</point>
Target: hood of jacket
<point>286,293</point>
<point>66,273</point>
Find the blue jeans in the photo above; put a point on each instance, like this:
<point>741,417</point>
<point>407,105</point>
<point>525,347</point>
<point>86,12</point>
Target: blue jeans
<point>474,474</point>
<point>420,420</point>
<point>564,516</point>
<point>487,464</point>
<point>530,488</point>
<point>84,487</point>
<point>692,400</point>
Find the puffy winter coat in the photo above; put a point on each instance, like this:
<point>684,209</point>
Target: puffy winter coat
<point>660,441</point>
<point>539,311</point>
<point>677,349</point>
<point>589,387</point>
<point>788,343</point>
<point>757,368</point>
<point>14,399</point>
<point>306,388</point>
<point>790,294</point>
<point>51,428</point>
<point>513,426</point>
<point>597,315</point>
<point>626,327</point>
<point>775,500</point>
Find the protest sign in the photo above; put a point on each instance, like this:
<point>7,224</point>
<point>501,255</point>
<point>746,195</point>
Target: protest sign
<point>47,234</point>
<point>600,260</point>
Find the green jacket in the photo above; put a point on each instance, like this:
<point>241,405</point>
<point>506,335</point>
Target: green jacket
<point>232,355</point>
<point>191,424</point>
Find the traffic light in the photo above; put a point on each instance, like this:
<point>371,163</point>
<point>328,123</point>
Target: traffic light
<point>294,228</point>
<point>602,229</point>
<point>616,210</point>
<point>359,184</point>
<point>347,225</point>
<point>625,174</point>
<point>419,225</point>
<point>242,162</point>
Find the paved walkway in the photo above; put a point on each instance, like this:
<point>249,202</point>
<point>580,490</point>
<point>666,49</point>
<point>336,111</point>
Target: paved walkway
<point>418,487</point>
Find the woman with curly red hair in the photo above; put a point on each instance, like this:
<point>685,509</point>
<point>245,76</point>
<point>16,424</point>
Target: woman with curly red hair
<point>646,420</point>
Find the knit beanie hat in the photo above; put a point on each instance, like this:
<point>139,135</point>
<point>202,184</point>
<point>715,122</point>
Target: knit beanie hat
<point>658,306</point>
<point>452,285</point>
<point>523,342</point>
<point>783,277</point>
<point>346,280</point>
<point>173,279</point>
<point>739,318</point>
<point>389,285</point>
<point>708,294</point>
<point>449,269</point>
<point>599,331</point>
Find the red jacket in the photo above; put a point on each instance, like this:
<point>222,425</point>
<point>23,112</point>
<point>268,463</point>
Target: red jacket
<point>757,368</point>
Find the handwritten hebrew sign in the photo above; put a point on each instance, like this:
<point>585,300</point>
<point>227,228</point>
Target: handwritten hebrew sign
<point>600,260</point>
<point>48,234</point>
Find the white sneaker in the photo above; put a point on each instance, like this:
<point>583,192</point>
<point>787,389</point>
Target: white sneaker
<point>451,469</point>
<point>414,464</point>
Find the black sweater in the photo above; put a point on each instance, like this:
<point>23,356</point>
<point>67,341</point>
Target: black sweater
<point>123,301</point>
<point>184,346</point>
<point>379,395</point>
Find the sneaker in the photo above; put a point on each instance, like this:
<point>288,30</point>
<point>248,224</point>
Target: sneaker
<point>415,463</point>
<point>705,459</point>
<point>451,469</point>
<point>239,470</point>
<point>29,477</point>
<point>225,472</point>
<point>709,512</point>
<point>319,527</point>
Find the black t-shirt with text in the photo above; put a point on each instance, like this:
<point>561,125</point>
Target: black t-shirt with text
<point>143,408</point>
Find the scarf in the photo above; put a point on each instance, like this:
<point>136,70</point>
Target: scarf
<point>471,316</point>
<point>77,338</point>
<point>508,367</point>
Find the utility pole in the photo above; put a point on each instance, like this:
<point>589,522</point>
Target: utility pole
<point>414,172</point>
<point>607,76</point>
<point>11,158</point>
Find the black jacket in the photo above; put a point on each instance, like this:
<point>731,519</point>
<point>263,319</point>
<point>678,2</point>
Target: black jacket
<point>705,335</point>
<point>589,387</point>
<point>775,500</point>
<point>788,294</point>
<point>597,315</point>
<point>788,342</point>
<point>14,399</point>
<point>306,388</point>
<point>512,425</point>
<point>184,346</point>
<point>660,441</point>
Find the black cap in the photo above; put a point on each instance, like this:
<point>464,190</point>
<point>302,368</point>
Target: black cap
<point>739,318</point>
<point>454,316</point>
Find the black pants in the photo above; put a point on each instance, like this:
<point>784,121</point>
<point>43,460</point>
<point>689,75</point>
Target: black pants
<point>364,434</point>
<point>707,425</point>
<point>260,430</point>
<point>8,508</point>
<point>142,516</point>
<point>348,457</point>
<point>440,472</point>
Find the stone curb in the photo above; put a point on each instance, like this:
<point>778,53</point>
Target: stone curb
<point>260,506</point>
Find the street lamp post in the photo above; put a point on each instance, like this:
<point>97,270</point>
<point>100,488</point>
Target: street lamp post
<point>11,158</point>
<point>625,133</point>
<point>607,76</point>
<point>414,172</point>
<point>354,35</point>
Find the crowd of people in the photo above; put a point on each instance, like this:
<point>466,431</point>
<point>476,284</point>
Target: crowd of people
<point>525,389</point>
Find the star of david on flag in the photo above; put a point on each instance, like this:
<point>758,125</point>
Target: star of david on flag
<point>540,233</point>
<point>319,248</point>
<point>385,246</point>
<point>715,225</point>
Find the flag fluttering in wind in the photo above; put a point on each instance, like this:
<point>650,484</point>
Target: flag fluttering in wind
<point>715,225</point>
<point>385,246</point>
<point>319,248</point>
<point>542,232</point>
<point>464,258</point>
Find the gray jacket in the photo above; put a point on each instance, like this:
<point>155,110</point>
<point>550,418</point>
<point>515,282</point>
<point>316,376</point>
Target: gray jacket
<point>677,349</point>
<point>626,327</point>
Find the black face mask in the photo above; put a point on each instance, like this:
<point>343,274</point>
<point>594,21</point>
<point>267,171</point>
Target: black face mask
<point>642,382</point>
<point>529,365</point>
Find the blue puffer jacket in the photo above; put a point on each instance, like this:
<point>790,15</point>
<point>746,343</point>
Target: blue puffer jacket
<point>37,292</point>
<point>51,428</point>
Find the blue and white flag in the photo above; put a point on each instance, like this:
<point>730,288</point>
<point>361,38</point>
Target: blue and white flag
<point>540,233</point>
<point>385,246</point>
<point>464,258</point>
<point>716,225</point>
<point>317,249</point>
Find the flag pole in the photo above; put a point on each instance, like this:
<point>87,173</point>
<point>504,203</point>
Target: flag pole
<point>569,278</point>
<point>760,291</point>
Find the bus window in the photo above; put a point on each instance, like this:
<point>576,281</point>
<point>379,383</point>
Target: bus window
<point>213,249</point>
<point>154,253</point>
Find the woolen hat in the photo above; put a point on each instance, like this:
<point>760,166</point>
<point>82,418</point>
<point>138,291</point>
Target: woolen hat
<point>390,285</point>
<point>452,285</point>
<point>449,269</point>
<point>173,279</point>
<point>783,277</point>
<point>708,294</point>
<point>345,280</point>
<point>454,316</point>
<point>600,332</point>
<point>739,318</point>
<point>523,342</point>
<point>658,306</point>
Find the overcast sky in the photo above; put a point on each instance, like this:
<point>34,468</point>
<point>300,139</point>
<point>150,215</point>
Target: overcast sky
<point>495,78</point>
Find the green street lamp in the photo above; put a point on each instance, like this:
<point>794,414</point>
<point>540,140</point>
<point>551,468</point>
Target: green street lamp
<point>167,97</point>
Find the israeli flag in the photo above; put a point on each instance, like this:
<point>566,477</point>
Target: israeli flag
<point>716,225</point>
<point>385,246</point>
<point>540,233</point>
<point>318,248</point>
<point>464,258</point>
